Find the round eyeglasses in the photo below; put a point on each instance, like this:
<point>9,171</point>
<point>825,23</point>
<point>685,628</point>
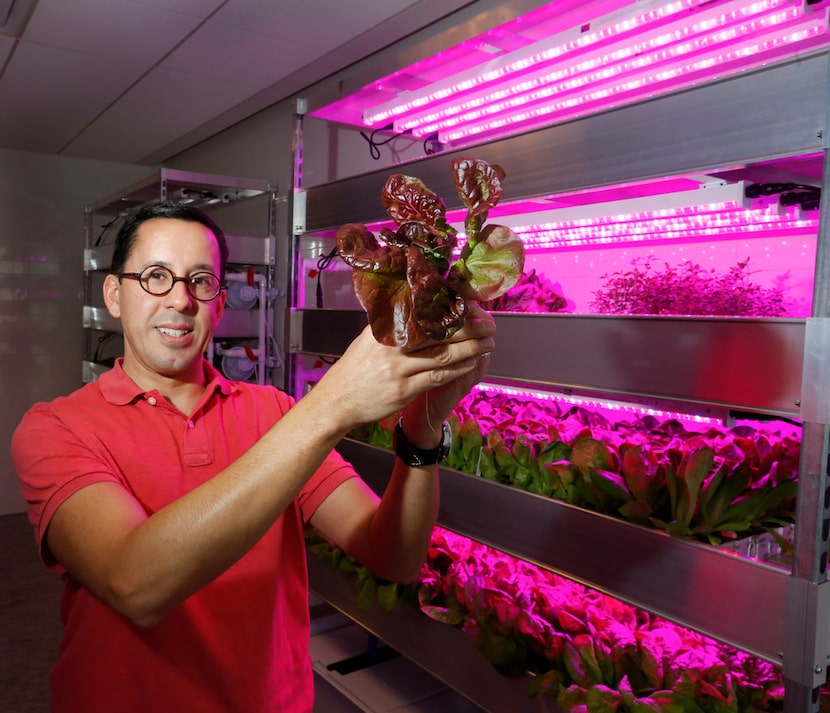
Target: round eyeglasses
<point>159,281</point>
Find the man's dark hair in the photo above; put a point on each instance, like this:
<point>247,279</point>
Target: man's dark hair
<point>125,239</point>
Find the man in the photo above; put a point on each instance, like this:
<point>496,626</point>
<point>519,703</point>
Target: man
<point>173,502</point>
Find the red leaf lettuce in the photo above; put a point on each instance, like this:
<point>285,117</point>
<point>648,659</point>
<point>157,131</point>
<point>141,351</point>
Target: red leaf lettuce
<point>409,286</point>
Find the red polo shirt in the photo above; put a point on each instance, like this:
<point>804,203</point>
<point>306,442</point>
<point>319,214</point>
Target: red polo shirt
<point>238,645</point>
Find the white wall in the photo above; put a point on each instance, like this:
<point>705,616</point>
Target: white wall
<point>42,201</point>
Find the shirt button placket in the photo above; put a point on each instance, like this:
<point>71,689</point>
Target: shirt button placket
<point>197,450</point>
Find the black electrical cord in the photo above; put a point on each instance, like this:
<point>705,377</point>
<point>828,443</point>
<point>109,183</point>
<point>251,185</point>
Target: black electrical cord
<point>808,197</point>
<point>322,265</point>
<point>756,190</point>
<point>807,200</point>
<point>374,144</point>
<point>104,230</point>
<point>102,340</point>
<point>431,144</point>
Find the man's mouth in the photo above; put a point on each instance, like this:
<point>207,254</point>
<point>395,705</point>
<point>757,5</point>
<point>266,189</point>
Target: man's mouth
<point>174,332</point>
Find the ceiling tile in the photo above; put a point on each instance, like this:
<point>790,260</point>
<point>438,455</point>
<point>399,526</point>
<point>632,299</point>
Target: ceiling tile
<point>6,46</point>
<point>109,28</point>
<point>156,111</point>
<point>232,55</point>
<point>320,23</point>
<point>48,113</point>
<point>193,8</point>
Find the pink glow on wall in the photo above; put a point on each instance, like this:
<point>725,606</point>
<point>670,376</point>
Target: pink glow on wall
<point>576,251</point>
<point>782,262</point>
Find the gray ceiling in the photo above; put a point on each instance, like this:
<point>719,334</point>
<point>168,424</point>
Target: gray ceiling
<point>137,81</point>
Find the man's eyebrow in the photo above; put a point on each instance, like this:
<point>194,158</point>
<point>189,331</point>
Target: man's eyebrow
<point>201,267</point>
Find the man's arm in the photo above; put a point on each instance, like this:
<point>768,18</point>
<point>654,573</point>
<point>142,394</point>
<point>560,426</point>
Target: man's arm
<point>391,536</point>
<point>143,567</point>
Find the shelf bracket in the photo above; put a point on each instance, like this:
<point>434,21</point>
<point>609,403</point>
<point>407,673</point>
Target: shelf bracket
<point>815,389</point>
<point>807,641</point>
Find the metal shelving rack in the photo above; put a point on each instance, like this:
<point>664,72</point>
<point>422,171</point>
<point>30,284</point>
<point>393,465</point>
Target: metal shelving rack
<point>245,209</point>
<point>779,614</point>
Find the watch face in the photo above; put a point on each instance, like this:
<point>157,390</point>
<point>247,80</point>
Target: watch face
<point>414,456</point>
<point>446,442</point>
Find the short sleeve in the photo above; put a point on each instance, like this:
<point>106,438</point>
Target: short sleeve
<point>334,471</point>
<point>52,463</point>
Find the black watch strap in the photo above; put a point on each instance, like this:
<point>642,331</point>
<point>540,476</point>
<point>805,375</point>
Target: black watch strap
<point>414,456</point>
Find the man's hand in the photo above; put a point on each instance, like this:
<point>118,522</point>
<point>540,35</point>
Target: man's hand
<point>424,415</point>
<point>371,381</point>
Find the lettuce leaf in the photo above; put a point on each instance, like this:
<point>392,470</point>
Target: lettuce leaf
<point>494,264</point>
<point>408,286</point>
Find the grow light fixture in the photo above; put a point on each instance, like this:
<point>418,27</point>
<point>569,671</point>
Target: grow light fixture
<point>706,213</point>
<point>520,64</point>
<point>618,409</point>
<point>712,211</point>
<point>714,220</point>
<point>646,49</point>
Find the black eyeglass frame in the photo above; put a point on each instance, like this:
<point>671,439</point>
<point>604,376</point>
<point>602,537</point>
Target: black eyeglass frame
<point>188,281</point>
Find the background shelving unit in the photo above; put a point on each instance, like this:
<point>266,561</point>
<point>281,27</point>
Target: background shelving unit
<point>779,614</point>
<point>245,211</point>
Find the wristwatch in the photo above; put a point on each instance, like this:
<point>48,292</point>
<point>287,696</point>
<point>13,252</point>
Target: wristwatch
<point>414,456</point>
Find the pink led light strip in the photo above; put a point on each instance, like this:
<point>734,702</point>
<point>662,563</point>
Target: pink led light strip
<point>520,93</point>
<point>516,116</point>
<point>599,67</point>
<point>725,220</point>
<point>613,406</point>
<point>511,66</point>
<point>719,219</point>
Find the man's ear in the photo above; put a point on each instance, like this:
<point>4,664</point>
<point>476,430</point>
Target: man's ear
<point>112,295</point>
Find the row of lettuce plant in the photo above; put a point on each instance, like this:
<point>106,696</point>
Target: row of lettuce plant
<point>588,652</point>
<point>715,485</point>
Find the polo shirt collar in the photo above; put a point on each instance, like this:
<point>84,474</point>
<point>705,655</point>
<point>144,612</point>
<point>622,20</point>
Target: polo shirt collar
<point>119,389</point>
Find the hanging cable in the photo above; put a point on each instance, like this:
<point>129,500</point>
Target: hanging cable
<point>102,340</point>
<point>104,230</point>
<point>431,144</point>
<point>374,144</point>
<point>323,264</point>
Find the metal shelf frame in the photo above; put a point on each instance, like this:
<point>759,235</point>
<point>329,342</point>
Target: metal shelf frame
<point>691,131</point>
<point>206,192</point>
<point>779,111</point>
<point>433,646</point>
<point>622,356</point>
<point>646,568</point>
